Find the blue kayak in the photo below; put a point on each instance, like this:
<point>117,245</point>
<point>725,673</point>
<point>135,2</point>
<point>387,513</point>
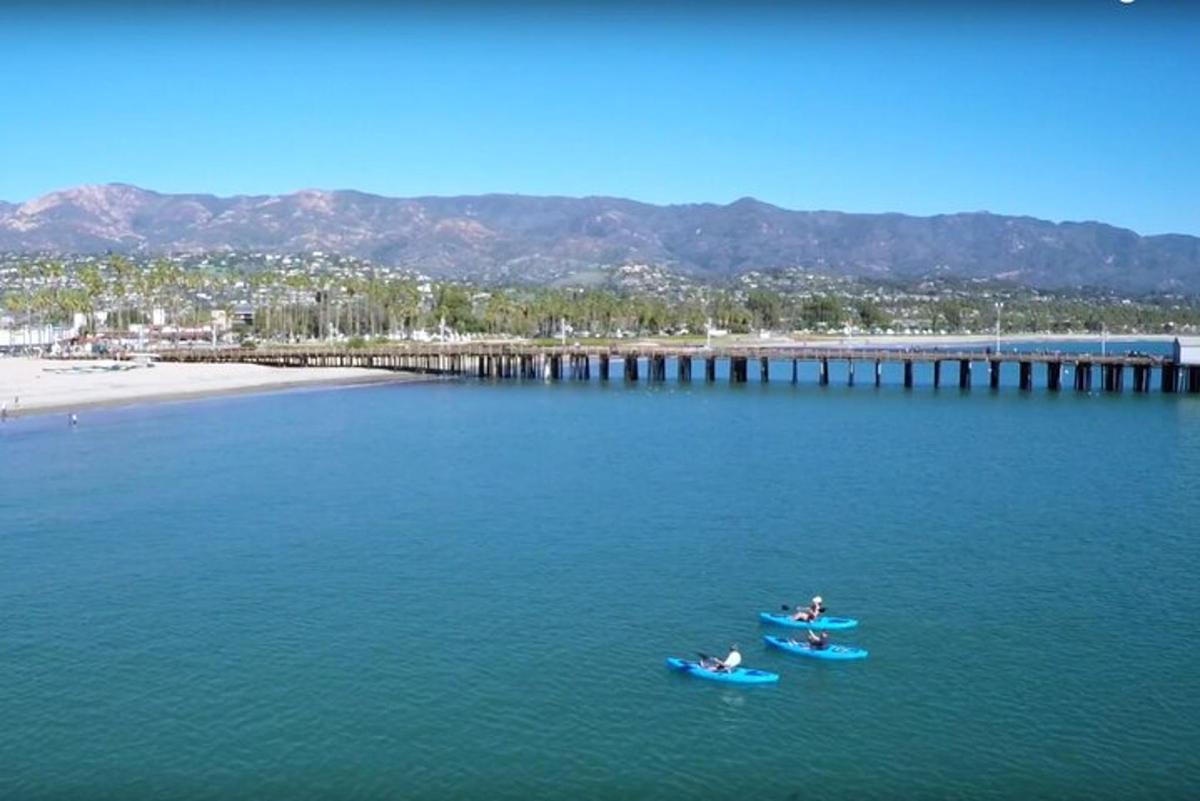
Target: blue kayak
<point>738,675</point>
<point>833,652</point>
<point>821,623</point>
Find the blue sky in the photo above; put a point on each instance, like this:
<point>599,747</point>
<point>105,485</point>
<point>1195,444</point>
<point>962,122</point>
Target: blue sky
<point>1069,110</point>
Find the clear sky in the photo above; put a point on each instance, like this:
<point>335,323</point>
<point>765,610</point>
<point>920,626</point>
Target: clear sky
<point>1086,109</point>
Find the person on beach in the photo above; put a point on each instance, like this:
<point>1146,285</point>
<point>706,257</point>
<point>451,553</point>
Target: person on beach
<point>73,420</point>
<point>3,411</point>
<point>811,612</point>
<point>723,665</point>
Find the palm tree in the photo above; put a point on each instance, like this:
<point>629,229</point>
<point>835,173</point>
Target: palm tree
<point>123,284</point>
<point>92,290</point>
<point>407,301</point>
<point>299,286</point>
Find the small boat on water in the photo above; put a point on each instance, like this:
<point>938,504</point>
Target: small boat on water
<point>820,624</point>
<point>834,653</point>
<point>739,675</point>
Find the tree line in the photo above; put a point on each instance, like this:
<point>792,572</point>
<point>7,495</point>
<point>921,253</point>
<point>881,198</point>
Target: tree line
<point>296,305</point>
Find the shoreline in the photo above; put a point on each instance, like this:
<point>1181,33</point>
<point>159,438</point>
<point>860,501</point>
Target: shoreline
<point>47,387</point>
<point>181,397</point>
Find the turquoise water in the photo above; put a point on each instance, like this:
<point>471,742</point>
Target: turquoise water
<point>467,590</point>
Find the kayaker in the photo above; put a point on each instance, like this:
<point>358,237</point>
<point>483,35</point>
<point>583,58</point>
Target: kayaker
<point>727,664</point>
<point>818,640</point>
<point>732,660</point>
<point>810,612</point>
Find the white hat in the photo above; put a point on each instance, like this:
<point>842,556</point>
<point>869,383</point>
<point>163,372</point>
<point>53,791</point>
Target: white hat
<point>816,599</point>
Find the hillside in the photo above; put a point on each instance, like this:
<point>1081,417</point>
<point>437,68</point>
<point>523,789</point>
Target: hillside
<point>524,238</point>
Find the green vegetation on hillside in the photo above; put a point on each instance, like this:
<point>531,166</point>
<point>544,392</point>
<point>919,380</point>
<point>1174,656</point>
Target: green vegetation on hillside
<point>298,298</point>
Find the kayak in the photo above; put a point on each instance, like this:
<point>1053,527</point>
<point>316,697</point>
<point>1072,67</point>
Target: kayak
<point>833,652</point>
<point>821,623</point>
<point>738,675</point>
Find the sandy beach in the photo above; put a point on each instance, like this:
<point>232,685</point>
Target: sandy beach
<point>34,386</point>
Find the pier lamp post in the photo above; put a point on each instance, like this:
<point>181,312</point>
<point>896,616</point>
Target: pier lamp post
<point>999,308</point>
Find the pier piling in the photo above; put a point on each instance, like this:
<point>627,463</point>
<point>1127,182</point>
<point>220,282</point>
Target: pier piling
<point>738,369</point>
<point>1114,377</point>
<point>1026,375</point>
<point>1083,376</point>
<point>1140,381</point>
<point>1054,376</point>
<point>1169,377</point>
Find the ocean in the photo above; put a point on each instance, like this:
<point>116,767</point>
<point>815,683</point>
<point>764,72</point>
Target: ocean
<point>467,589</point>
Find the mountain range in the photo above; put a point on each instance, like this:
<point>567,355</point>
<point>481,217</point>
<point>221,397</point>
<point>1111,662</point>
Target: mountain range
<point>527,238</point>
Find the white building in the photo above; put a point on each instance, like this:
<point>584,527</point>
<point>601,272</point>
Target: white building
<point>32,337</point>
<point>1187,350</point>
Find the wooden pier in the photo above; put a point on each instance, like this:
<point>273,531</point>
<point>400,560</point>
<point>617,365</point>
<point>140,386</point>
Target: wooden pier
<point>580,363</point>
